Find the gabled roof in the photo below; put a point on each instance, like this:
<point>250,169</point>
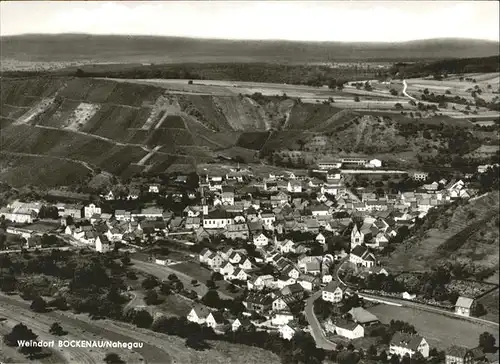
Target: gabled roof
<point>408,341</point>
<point>346,325</point>
<point>332,287</point>
<point>362,316</point>
<point>464,302</point>
<point>457,351</point>
<point>201,311</point>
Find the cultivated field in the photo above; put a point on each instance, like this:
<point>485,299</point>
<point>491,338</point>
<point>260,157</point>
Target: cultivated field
<point>440,331</point>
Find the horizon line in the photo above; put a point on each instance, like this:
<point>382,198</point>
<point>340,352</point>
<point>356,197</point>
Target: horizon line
<point>246,39</point>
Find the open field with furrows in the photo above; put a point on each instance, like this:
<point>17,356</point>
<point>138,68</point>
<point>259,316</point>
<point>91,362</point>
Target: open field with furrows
<point>467,233</point>
<point>488,83</point>
<point>439,331</point>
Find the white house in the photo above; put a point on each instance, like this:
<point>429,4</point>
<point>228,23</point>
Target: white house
<point>332,292</point>
<point>154,188</point>
<point>261,281</point>
<point>362,256</point>
<point>327,278</point>
<point>214,261</point>
<point>239,274</point>
<point>464,306</point>
<point>320,238</point>
<point>246,264</point>
<point>90,210</point>
<point>240,323</point>
<point>215,320</point>
<point>217,219</point>
<point>294,186</point>
<point>102,244</point>
<point>349,329</point>
<point>281,318</point>
<point>320,210</point>
<point>226,269</point>
<point>198,314</point>
<point>227,196</point>
<point>287,331</point>
<point>402,344</point>
<point>268,219</point>
<point>286,246</point>
<point>260,240</point>
<point>374,163</point>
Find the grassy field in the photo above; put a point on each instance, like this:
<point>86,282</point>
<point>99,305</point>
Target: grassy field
<point>440,331</point>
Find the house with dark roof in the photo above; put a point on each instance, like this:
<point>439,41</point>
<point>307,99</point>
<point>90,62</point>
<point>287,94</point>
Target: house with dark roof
<point>360,255</point>
<point>216,320</point>
<point>406,344</point>
<point>242,323</point>
<point>198,314</point>
<point>258,302</point>
<point>332,292</point>
<point>459,355</point>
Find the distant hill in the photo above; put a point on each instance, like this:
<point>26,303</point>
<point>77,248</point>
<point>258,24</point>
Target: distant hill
<point>118,48</point>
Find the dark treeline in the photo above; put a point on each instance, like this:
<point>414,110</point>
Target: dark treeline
<point>447,66</point>
<point>313,75</point>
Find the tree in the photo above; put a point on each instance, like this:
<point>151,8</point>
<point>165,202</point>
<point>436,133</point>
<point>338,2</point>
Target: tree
<point>372,352</point>
<point>150,282</point>
<point>21,332</point>
<point>56,329</point>
<point>356,98</point>
<point>393,92</point>
<point>487,342</point>
<point>173,277</point>
<point>151,297</point>
<point>480,310</point>
<point>142,319</point>
<point>394,359</point>
<point>211,284</point>
<point>38,305</point>
<point>80,73</point>
<point>417,358</point>
<point>112,358</point>
<point>190,82</point>
<point>126,259</point>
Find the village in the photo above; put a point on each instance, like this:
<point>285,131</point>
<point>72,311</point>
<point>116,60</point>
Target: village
<point>284,241</point>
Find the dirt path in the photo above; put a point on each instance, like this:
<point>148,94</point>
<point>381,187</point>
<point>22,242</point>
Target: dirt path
<point>405,86</point>
<point>85,164</point>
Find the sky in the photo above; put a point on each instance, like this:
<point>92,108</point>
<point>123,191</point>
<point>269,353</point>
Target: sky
<point>345,21</point>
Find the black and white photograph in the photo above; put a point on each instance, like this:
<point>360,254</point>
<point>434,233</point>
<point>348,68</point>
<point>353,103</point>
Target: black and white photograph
<point>242,182</point>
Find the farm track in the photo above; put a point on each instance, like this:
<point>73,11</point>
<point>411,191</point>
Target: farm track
<point>405,86</point>
<point>41,325</point>
<point>152,351</point>
<point>85,164</point>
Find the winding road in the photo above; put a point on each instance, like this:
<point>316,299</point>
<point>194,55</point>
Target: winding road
<point>316,331</point>
<point>405,86</point>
